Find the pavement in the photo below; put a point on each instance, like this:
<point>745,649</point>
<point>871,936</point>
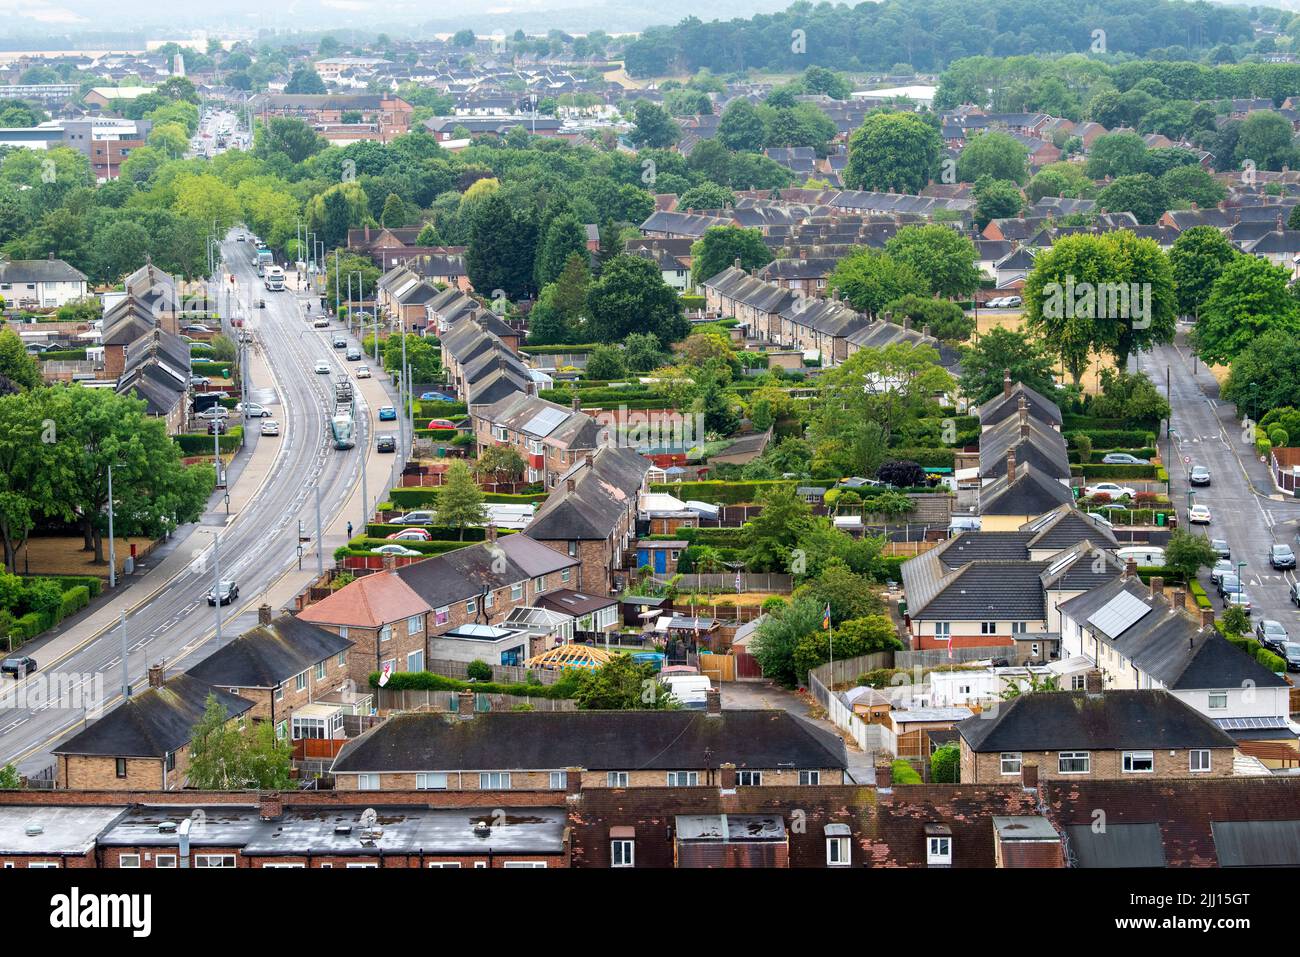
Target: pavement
<point>273,486</point>
<point>764,694</point>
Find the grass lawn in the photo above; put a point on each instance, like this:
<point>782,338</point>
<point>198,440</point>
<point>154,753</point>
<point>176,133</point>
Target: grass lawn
<point>63,556</point>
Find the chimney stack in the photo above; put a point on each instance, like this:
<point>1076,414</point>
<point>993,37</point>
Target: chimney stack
<point>1207,617</point>
<point>1028,776</point>
<point>465,705</point>
<point>727,777</point>
<point>1011,464</point>
<point>263,614</point>
<point>270,806</point>
<point>713,701</point>
<point>1006,383</point>
<point>1176,600</point>
<point>573,781</point>
<point>491,532</point>
<point>1131,568</point>
<point>570,485</point>
<point>1157,586</point>
<point>884,777</point>
<point>156,675</point>
<point>577,401</point>
<point>737,262</point>
<point>390,563</point>
<point>1095,682</point>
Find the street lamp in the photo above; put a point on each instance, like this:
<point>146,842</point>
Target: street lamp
<point>216,572</point>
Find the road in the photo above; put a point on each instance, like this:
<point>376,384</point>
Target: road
<point>1243,504</point>
<point>258,544</point>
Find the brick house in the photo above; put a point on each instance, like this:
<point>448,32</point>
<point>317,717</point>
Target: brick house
<point>591,515</point>
<point>616,749</point>
<point>280,666</point>
<point>1092,734</point>
<point>143,743</point>
<point>549,437</point>
<point>391,615</point>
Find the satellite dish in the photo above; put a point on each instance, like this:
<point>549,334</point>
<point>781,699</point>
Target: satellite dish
<point>368,817</point>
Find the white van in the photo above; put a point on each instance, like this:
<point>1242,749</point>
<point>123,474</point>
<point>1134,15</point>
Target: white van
<point>1141,554</point>
<point>963,523</point>
<point>690,691</point>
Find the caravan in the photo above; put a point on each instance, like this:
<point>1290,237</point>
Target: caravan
<point>690,691</point>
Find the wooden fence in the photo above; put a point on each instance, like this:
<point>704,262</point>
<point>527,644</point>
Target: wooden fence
<point>847,670</point>
<point>448,701</point>
<point>935,657</point>
<point>720,667</point>
<point>502,674</point>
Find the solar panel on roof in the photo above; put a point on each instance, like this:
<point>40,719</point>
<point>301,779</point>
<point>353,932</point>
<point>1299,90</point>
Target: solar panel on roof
<point>1118,614</point>
<point>545,422</point>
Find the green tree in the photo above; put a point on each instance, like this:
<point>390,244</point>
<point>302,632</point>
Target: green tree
<point>292,138</point>
<point>502,246</point>
<point>1187,553</point>
<point>1197,258</point>
<point>653,127</point>
<point>845,592</point>
<point>564,237</point>
<point>1265,139</point>
<point>945,320</point>
<point>706,196</point>
<point>1263,376</point>
<point>741,127</point>
<point>642,352</point>
<point>1117,154</point>
<point>631,296</point>
<point>1130,396</point>
<point>945,765</point>
<point>606,363</point>
<point>993,154</point>
<point>893,152</point>
<point>394,213</point>
<point>1249,299</point>
<point>944,258</point>
<point>778,637</point>
<point>500,464</point>
<point>460,500</point>
<point>1191,184</point>
<point>621,685</point>
<point>1008,351</point>
<point>16,365</point>
<point>995,199</point>
<point>10,780</point>
<point>721,246</point>
<point>869,279</point>
<point>1139,193</point>
<point>216,751</point>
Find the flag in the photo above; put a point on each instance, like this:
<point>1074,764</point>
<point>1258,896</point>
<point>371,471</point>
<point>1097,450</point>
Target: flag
<point>826,618</point>
<point>384,675</point>
<point>950,647</point>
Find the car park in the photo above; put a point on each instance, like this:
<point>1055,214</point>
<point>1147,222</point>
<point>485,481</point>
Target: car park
<point>226,592</point>
<point>18,666</point>
<point>1109,488</point>
<point>270,427</point>
<point>1199,475</point>
<point>322,368</point>
<point>386,442</point>
<point>1221,547</point>
<point>394,550</point>
<point>415,518</point>
<point>1122,458</point>
<point>387,413</point>
<point>1280,557</point>
<point>363,372</point>
<point>409,535</point>
<point>1271,634</point>
<point>1198,515</point>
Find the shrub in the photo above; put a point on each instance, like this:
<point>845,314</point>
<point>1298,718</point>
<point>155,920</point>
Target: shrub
<point>479,670</point>
<point>904,773</point>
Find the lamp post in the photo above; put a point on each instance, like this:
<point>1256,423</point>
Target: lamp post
<point>112,551</point>
<point>216,573</point>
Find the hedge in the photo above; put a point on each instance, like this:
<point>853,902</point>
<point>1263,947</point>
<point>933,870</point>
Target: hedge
<point>212,368</point>
<point>437,533</point>
<point>904,773</point>
<point>198,443</point>
<point>363,547</point>
<point>1070,420</point>
<point>940,458</point>
<point>560,350</point>
<point>712,537</point>
<point>440,410</point>
<point>427,495</point>
<point>437,435</point>
<point>428,681</point>
<point>1090,471</point>
<point>1253,648</point>
<point>74,599</point>
<point>63,355</point>
<point>1198,595</point>
<point>1107,440</point>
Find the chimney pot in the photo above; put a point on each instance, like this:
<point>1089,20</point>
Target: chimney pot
<point>264,614</point>
<point>156,675</point>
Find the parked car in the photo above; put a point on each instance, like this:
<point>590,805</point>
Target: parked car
<point>199,380</point>
<point>409,535</point>
<point>270,427</point>
<point>252,410</point>
<point>1291,652</point>
<point>213,412</point>
<point>1281,557</point>
<point>1294,593</point>
<point>1221,567</point>
<point>217,427</point>
<point>224,593</point>
<point>363,372</point>
<point>18,667</point>
<point>1221,547</point>
<point>441,424</point>
<point>196,327</point>
<point>387,413</point>
<point>415,518</point>
<point>1271,634</point>
<point>386,442</point>
<point>1109,488</point>
<point>1229,583</point>
<point>1199,475</point>
<point>340,342</point>
<point>1122,458</point>
<point>1198,515</point>
<point>435,397</point>
<point>394,550</point>
<point>320,323</point>
<point>354,354</point>
<point>1238,598</point>
<point>322,368</point>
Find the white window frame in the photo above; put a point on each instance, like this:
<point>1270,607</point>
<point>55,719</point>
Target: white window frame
<point>559,780</point>
<point>386,633</point>
<point>749,779</point>
<point>839,852</point>
<point>988,627</point>
<point>539,584</point>
<point>1063,756</point>
<point>429,781</point>
<point>486,781</point>
<point>471,607</point>
<point>683,779</point>
<point>1129,758</point>
<point>1206,765</point>
<point>1214,696</point>
<point>938,849</point>
<point>616,779</point>
<point>205,860</point>
<point>367,782</point>
<point>444,865</point>
<point>1008,758</point>
<point>525,865</point>
<point>942,630</point>
<point>129,861</point>
<point>414,624</point>
<point>164,861</point>
<point>810,778</point>
<point>516,591</point>
<point>622,852</point>
<point>418,655</point>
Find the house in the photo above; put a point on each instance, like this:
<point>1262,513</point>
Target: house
<point>107,98</point>
<point>1093,735</point>
<point>549,437</point>
<point>1020,440</point>
<point>281,666</point>
<point>157,370</point>
<point>1019,495</point>
<point>1143,636</point>
<point>482,366</point>
<point>594,616</point>
<point>391,615</point>
<point>143,743</point>
<point>680,225</point>
<point>504,751</point>
<point>591,515</point>
<point>403,295</point>
<point>1015,394</point>
<point>40,283</point>
<point>36,836</point>
<point>674,269</point>
<point>381,116</point>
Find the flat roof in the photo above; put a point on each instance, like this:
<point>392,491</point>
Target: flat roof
<point>63,830</point>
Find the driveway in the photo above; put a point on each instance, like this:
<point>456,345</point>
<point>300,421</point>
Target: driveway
<point>764,695</point>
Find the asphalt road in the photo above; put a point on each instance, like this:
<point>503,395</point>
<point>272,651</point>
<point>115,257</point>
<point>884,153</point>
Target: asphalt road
<point>1245,509</point>
<point>257,546</point>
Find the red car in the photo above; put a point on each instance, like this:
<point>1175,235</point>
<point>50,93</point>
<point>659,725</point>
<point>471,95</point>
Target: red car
<point>441,424</point>
<point>409,535</point>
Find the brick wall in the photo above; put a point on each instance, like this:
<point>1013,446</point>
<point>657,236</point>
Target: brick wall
<point>79,772</point>
<point>985,768</point>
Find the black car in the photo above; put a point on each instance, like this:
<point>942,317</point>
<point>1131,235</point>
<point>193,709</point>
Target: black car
<point>1291,652</point>
<point>18,667</point>
<point>386,443</point>
<point>1272,635</point>
<point>1281,556</point>
<point>226,592</point>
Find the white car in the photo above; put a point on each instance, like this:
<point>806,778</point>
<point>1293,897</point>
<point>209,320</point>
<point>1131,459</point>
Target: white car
<point>320,323</point>
<point>252,410</point>
<point>363,372</point>
<point>394,550</point>
<point>1109,488</point>
<point>270,427</point>
<point>322,368</point>
<point>1198,515</point>
<point>212,413</point>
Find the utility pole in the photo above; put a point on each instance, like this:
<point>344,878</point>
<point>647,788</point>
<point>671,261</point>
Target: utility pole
<point>408,414</point>
<point>126,681</point>
<point>365,497</point>
<point>216,448</point>
<point>320,541</point>
<point>216,568</point>
<point>112,550</point>
<point>336,282</point>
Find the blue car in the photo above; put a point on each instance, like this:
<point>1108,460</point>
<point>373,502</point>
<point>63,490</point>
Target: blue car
<point>387,413</point>
<point>436,397</point>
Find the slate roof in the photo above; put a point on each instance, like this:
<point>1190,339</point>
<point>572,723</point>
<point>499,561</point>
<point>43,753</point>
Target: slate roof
<point>681,223</point>
<point>1003,406</point>
<point>39,270</point>
<point>1077,720</point>
<point>603,492</point>
<point>592,740</point>
<point>465,572</point>
<point>1034,443</point>
<point>985,590</point>
<point>1065,526</point>
<point>153,723</point>
<point>269,655</point>
<point>1028,492</point>
<point>739,286</point>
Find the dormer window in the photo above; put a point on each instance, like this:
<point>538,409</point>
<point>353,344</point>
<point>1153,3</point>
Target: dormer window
<point>839,850</point>
<point>938,845</point>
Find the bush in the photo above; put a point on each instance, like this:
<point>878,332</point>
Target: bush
<point>904,773</point>
<point>74,599</point>
<point>479,670</point>
<point>428,681</point>
<point>1199,596</point>
<point>1090,471</point>
<point>200,443</point>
